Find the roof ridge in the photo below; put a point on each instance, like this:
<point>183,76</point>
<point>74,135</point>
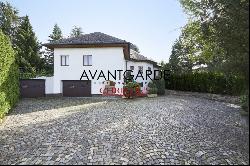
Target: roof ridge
<point>108,35</point>
<point>92,38</point>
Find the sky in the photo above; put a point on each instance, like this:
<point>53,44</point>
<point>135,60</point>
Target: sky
<point>153,25</point>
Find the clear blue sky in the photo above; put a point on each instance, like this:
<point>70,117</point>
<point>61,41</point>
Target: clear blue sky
<point>153,25</point>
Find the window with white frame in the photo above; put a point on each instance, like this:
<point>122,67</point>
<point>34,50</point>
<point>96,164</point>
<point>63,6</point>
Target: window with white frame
<point>64,60</point>
<point>140,68</point>
<point>132,67</point>
<point>87,60</point>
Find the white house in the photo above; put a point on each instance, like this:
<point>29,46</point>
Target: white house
<point>83,64</point>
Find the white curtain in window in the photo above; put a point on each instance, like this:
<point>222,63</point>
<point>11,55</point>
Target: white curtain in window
<point>67,60</point>
<point>90,60</point>
<point>87,60</point>
<point>64,60</point>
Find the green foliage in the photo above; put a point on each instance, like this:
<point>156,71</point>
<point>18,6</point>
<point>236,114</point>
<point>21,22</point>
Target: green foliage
<point>76,32</point>
<point>194,48</point>
<point>131,89</point>
<point>34,73</point>
<point>174,60</point>
<point>189,50</point>
<point>23,39</point>
<point>136,48</point>
<point>160,85</point>
<point>28,47</point>
<point>49,53</point>
<point>129,77</point>
<point>232,34</point>
<point>9,82</point>
<point>208,82</point>
<point>56,34</point>
<point>152,88</point>
<point>8,19</point>
<point>217,35</point>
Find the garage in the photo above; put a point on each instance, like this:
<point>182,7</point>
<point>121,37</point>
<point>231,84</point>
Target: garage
<point>76,88</point>
<point>32,87</point>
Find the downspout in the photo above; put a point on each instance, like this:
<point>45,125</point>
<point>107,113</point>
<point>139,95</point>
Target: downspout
<point>126,60</point>
<point>128,55</point>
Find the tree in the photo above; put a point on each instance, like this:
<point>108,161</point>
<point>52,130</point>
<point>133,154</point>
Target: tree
<point>8,20</point>
<point>136,48</point>
<point>225,24</point>
<point>28,48</point>
<point>174,60</point>
<point>187,51</point>
<point>56,34</point>
<point>231,22</point>
<point>76,31</point>
<point>49,53</point>
<point>180,59</point>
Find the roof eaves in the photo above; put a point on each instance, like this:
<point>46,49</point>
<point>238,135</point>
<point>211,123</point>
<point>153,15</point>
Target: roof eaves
<point>69,44</point>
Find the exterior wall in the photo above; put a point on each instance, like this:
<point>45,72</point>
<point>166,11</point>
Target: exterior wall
<point>48,84</point>
<point>111,58</point>
<point>135,71</point>
<point>156,68</point>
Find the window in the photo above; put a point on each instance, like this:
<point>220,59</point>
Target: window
<point>156,73</point>
<point>140,68</point>
<point>149,68</point>
<point>64,60</point>
<point>87,60</point>
<point>132,67</point>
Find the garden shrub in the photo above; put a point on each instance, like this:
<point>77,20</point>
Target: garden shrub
<point>152,88</point>
<point>160,85</point>
<point>131,89</point>
<point>9,77</point>
<point>208,82</point>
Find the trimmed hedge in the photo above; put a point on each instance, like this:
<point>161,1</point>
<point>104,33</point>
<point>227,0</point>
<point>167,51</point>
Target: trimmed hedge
<point>9,76</point>
<point>208,82</point>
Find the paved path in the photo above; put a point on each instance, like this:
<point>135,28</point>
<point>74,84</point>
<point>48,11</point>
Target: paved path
<point>164,130</point>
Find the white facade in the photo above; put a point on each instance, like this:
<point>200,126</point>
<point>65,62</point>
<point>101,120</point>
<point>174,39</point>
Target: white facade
<point>103,59</point>
<point>145,67</point>
<point>106,58</point>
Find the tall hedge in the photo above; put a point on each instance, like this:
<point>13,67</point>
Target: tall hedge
<point>208,82</point>
<point>9,76</point>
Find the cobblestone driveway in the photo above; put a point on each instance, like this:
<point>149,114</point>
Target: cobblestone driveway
<point>164,130</point>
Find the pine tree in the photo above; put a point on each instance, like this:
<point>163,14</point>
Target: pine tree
<point>27,47</point>
<point>76,32</point>
<point>49,53</point>
<point>56,34</point>
<point>8,20</point>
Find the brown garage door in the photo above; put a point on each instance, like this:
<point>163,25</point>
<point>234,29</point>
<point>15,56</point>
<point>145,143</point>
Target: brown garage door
<point>32,88</point>
<point>76,88</point>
